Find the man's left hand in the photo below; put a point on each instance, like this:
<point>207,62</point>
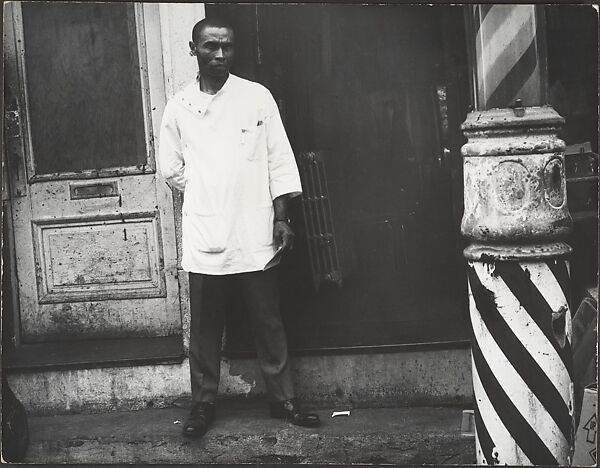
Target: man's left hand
<point>283,236</point>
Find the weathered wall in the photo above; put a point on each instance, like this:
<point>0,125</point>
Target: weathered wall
<point>378,379</point>
<point>176,23</point>
<point>402,378</point>
<point>392,379</point>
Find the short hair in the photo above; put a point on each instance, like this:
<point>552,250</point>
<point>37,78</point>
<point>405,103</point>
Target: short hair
<point>207,23</point>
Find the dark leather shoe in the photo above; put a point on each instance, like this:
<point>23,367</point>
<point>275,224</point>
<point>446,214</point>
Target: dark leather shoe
<point>201,416</point>
<point>290,410</point>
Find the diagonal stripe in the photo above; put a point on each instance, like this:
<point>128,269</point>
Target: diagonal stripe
<point>483,436</point>
<point>544,280</point>
<point>532,91</point>
<point>505,450</point>
<point>509,345</point>
<point>535,305</point>
<point>526,331</point>
<point>507,35</point>
<point>479,14</point>
<point>502,57</point>
<point>485,9</point>
<point>495,18</point>
<point>479,456</point>
<point>518,392</point>
<point>513,420</point>
<point>514,79</point>
<point>558,267</point>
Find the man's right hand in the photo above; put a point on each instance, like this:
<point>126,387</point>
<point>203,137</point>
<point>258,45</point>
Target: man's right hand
<point>283,236</point>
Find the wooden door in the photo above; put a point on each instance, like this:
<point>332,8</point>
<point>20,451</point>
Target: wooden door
<point>363,87</point>
<point>368,101</point>
<point>93,228</point>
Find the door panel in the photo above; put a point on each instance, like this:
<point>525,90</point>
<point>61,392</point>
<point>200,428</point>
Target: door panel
<point>85,259</point>
<point>93,226</point>
<point>102,319</point>
<point>359,85</point>
<point>83,86</point>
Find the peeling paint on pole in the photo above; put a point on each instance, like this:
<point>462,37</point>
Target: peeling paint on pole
<point>516,218</point>
<point>514,176</point>
<point>522,362</point>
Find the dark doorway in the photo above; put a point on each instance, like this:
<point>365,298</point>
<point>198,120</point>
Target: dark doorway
<point>370,96</point>
<point>572,44</point>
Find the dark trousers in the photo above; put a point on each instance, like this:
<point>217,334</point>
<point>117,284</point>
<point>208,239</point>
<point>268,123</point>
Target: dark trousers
<point>209,296</point>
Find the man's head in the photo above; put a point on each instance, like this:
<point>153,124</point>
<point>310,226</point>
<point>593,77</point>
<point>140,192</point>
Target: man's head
<point>212,44</point>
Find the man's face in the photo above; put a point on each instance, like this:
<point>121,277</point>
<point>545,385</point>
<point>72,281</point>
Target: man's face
<point>214,51</point>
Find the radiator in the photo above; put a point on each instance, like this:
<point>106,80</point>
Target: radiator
<point>318,221</point>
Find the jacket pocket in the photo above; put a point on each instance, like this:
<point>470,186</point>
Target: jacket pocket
<point>259,223</point>
<point>204,232</point>
<point>253,142</point>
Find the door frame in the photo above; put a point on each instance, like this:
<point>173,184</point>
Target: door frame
<point>20,166</point>
<point>144,40</point>
<point>455,22</point>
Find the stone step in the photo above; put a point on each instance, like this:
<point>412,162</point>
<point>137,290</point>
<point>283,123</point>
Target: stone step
<point>244,433</point>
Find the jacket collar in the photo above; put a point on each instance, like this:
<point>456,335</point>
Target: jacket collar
<point>190,94</point>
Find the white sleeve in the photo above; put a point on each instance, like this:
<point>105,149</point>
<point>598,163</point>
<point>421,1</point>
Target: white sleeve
<point>171,164</point>
<point>283,171</point>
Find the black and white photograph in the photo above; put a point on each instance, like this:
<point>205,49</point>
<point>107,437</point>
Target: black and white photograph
<point>290,234</point>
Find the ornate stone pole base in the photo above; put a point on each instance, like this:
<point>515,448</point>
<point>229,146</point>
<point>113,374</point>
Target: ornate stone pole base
<point>516,217</point>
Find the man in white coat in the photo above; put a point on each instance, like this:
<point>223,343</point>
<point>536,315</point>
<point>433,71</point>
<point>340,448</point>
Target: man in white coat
<point>222,143</point>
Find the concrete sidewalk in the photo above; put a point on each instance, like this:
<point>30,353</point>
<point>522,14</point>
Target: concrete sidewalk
<point>244,433</point>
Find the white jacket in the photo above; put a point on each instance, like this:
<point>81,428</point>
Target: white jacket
<point>230,155</point>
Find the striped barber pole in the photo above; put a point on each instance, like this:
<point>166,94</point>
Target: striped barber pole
<point>522,361</point>
<point>508,67</point>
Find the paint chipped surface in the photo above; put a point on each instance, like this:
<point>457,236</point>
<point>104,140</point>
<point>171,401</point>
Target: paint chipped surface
<point>396,379</point>
<point>495,460</point>
<point>515,189</point>
<point>100,390</point>
<point>506,200</point>
<point>74,251</point>
<point>514,328</point>
<point>232,384</point>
